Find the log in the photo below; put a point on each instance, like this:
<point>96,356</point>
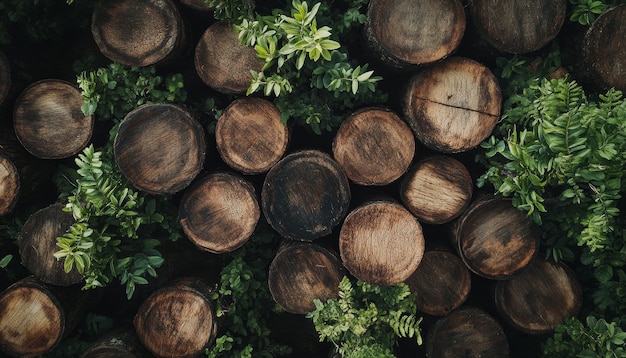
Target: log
<point>540,298</point>
<point>305,195</point>
<point>453,105</point>
<point>249,135</point>
<point>441,283</point>
<point>5,77</point>
<point>518,26</point>
<point>48,120</point>
<point>9,184</point>
<point>160,148</point>
<point>467,332</point>
<point>302,272</point>
<point>405,33</point>
<point>139,33</point>
<point>494,239</point>
<point>437,189</point>
<point>197,5</point>
<point>381,243</point>
<point>374,146</point>
<point>222,62</point>
<point>219,212</point>
<point>177,320</point>
<point>604,49</point>
<point>118,343</point>
<point>37,243</point>
<point>35,316</point>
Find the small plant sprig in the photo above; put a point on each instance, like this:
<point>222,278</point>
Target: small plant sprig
<point>231,9</point>
<point>594,338</point>
<point>585,12</point>
<point>366,320</point>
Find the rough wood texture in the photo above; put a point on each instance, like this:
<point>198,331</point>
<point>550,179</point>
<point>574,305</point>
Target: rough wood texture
<point>302,272</point>
<point>518,26</point>
<point>222,62</point>
<point>5,77</point>
<point>381,243</point>
<point>177,320</point>
<point>467,332</point>
<point>9,184</point>
<point>540,298</point>
<point>118,343</point>
<point>219,212</point>
<point>138,33</point>
<point>453,105</point>
<point>160,148</point>
<point>437,189</point>
<point>48,120</point>
<point>405,33</point>
<point>198,5</point>
<point>37,244</point>
<point>249,135</point>
<point>441,283</point>
<point>494,239</point>
<point>374,146</point>
<point>305,195</point>
<point>604,49</point>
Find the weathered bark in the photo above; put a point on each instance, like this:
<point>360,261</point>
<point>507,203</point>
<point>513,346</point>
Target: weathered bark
<point>5,77</point>
<point>48,120</point>
<point>37,244</point>
<point>249,135</point>
<point>9,184</point>
<point>219,212</point>
<point>160,148</point>
<point>222,62</point>
<point>302,272</point>
<point>118,343</point>
<point>494,239</point>
<point>467,332</point>
<point>441,283</point>
<point>374,146</point>
<point>604,49</point>
<point>540,298</point>
<point>518,26</point>
<point>405,33</point>
<point>437,189</point>
<point>177,320</point>
<point>453,105</point>
<point>35,317</point>
<point>305,195</point>
<point>381,243</point>
<point>139,33</point>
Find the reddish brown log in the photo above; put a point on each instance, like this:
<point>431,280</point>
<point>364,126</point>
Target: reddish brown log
<point>249,135</point>
<point>118,343</point>
<point>139,33</point>
<point>5,77</point>
<point>160,148</point>
<point>518,26</point>
<point>9,184</point>
<point>540,298</point>
<point>437,189</point>
<point>219,212</point>
<point>48,120</point>
<point>441,283</point>
<point>374,146</point>
<point>381,243</point>
<point>222,62</point>
<point>405,33</point>
<point>302,272</point>
<point>453,105</point>
<point>37,244</point>
<point>305,195</point>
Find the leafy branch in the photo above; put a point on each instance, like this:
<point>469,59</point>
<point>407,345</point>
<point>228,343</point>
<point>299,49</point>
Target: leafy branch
<point>594,338</point>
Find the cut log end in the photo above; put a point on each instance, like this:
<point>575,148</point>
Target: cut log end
<point>9,184</point>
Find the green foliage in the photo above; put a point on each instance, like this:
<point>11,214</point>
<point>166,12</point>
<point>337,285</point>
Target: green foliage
<point>595,338</point>
<point>231,9</point>
<point>366,320</point>
<point>585,12</point>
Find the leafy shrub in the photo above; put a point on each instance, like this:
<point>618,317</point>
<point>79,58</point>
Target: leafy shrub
<point>594,338</point>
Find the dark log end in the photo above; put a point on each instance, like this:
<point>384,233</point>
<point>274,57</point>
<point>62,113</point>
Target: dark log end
<point>9,184</point>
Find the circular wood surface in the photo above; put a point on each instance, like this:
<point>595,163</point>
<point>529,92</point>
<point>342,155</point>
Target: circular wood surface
<point>415,32</point>
<point>222,62</point>
<point>540,298</point>
<point>381,243</point>
<point>219,212</point>
<point>5,77</point>
<point>9,184</point>
<point>249,135</point>
<point>374,146</point>
<point>518,26</point>
<point>453,105</point>
<point>137,33</point>
<point>302,272</point>
<point>437,189</point>
<point>49,122</point>
<point>160,148</point>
